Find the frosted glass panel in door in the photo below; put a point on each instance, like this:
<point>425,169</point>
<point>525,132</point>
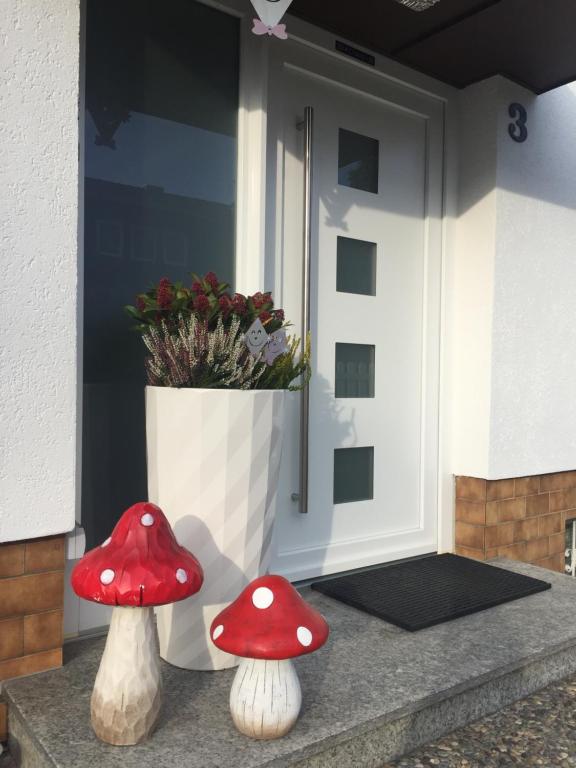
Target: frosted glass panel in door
<point>354,370</point>
<point>160,197</point>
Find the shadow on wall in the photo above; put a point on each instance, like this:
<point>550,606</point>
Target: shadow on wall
<point>542,168</point>
<point>335,425</point>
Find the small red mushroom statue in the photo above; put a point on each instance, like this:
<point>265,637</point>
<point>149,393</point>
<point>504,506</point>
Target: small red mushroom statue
<point>139,566</point>
<point>268,624</point>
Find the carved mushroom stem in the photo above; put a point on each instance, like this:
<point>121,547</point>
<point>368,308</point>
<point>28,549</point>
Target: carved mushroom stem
<point>265,698</point>
<point>128,690</point>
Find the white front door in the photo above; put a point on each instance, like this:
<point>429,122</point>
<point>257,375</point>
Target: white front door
<point>374,287</point>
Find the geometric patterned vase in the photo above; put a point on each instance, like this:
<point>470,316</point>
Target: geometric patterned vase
<point>213,463</point>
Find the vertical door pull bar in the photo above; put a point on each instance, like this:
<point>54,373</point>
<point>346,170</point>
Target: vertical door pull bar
<point>305,394</point>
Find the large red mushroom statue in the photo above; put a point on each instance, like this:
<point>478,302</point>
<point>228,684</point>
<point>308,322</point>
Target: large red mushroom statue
<point>267,625</point>
<point>141,565</point>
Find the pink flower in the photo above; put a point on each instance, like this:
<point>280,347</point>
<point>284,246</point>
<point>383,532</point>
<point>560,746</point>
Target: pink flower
<point>265,316</point>
<point>279,315</point>
<point>201,303</point>
<point>197,287</point>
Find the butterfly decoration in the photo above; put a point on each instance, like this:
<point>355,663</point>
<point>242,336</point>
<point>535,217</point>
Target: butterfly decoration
<point>269,14</point>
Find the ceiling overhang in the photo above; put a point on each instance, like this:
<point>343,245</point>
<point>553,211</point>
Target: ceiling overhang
<point>460,42</point>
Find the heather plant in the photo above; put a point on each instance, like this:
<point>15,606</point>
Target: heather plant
<point>196,337</point>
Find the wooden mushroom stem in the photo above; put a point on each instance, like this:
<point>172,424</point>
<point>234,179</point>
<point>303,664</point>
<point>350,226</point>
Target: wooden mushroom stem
<point>128,689</point>
<point>265,698</point>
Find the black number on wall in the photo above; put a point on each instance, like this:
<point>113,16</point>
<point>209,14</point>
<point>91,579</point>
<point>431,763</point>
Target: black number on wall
<point>518,130</point>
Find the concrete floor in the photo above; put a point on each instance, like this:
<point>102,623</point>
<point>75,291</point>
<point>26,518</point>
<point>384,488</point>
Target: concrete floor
<point>539,730</point>
<point>372,694</point>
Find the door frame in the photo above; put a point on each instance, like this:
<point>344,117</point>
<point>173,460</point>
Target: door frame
<point>305,40</point>
<point>303,562</point>
<point>255,263</point>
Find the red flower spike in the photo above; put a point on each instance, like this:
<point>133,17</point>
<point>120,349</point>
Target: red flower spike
<point>140,304</point>
<point>258,300</point>
<point>239,304</point>
<point>165,294</point>
<point>225,304</point>
<point>212,280</point>
<point>269,620</point>
<point>201,303</point>
<point>141,564</point>
<point>265,316</point>
<point>197,287</point>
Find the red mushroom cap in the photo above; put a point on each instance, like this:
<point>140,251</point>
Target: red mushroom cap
<point>269,620</point>
<point>141,564</point>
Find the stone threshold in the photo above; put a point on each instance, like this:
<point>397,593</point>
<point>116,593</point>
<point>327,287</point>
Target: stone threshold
<point>374,693</point>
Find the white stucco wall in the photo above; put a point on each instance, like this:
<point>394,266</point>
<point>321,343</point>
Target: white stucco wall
<point>523,232</point>
<point>473,278</point>
<point>39,75</point>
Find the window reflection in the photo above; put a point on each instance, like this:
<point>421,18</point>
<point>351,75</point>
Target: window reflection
<point>160,194</point>
<point>355,266</point>
<point>357,161</point>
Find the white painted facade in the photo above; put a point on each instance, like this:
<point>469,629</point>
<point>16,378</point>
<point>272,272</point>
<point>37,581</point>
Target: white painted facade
<point>39,65</point>
<point>508,314</point>
<point>514,363</point>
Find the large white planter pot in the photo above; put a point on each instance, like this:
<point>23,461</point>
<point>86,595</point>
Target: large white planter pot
<point>213,464</point>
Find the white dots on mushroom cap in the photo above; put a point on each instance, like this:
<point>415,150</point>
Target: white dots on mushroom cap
<point>304,636</point>
<point>107,576</point>
<point>217,631</point>
<point>181,576</point>
<point>263,597</point>
<point>105,543</point>
<point>147,519</point>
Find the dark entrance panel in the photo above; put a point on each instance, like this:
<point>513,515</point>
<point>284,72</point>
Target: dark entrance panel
<point>160,196</point>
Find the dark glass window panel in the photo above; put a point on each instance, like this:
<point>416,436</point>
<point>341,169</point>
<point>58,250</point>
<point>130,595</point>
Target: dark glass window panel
<point>353,474</point>
<point>160,195</point>
<point>355,370</point>
<point>356,266</point>
<point>357,161</point>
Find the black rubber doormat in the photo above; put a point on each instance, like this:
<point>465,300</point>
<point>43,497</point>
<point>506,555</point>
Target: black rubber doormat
<point>420,593</point>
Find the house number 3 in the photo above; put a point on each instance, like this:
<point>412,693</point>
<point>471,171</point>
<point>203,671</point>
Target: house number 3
<point>518,130</point>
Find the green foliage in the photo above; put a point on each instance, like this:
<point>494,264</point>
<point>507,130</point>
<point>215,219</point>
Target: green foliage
<point>288,367</point>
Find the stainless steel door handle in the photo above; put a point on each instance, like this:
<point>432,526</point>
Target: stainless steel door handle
<point>307,245</point>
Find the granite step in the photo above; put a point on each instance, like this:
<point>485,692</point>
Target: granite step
<point>372,694</point>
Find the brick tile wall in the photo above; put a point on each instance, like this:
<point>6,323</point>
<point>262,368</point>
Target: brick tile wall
<point>522,518</point>
<point>31,606</point>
